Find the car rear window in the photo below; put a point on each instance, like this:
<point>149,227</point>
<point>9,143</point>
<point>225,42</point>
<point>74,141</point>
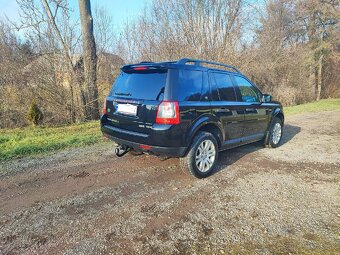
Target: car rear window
<point>148,85</point>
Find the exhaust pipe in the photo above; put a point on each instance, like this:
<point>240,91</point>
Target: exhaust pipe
<point>121,150</point>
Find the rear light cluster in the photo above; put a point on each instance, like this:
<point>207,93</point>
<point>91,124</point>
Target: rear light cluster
<point>168,113</point>
<point>104,108</point>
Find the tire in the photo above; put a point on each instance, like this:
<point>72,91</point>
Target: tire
<point>203,166</point>
<point>275,133</point>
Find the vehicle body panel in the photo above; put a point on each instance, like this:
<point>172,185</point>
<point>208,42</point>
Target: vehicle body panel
<point>234,122</point>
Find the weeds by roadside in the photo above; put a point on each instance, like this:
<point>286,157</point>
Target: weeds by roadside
<point>21,142</point>
<point>322,105</point>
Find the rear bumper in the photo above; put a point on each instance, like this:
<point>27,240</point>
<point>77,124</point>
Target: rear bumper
<point>113,134</point>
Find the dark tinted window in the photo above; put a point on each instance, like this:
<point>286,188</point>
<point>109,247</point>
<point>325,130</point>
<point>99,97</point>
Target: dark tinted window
<point>140,85</point>
<point>248,92</point>
<point>190,85</point>
<point>222,89</point>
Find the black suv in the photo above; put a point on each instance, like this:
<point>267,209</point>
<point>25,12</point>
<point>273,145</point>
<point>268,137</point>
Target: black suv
<point>190,109</point>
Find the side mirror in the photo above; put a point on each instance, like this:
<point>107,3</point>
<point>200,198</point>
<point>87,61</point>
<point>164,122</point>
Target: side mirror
<point>266,98</point>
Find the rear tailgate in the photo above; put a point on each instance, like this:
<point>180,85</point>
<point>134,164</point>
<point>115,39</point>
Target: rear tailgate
<point>134,98</point>
<point>131,115</point>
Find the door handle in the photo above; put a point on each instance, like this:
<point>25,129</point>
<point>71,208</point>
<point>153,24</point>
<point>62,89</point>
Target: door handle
<point>250,110</point>
<point>223,109</point>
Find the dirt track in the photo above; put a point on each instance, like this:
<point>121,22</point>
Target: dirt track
<point>264,201</point>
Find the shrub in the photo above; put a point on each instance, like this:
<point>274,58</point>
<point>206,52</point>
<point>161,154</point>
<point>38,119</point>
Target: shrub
<point>35,116</point>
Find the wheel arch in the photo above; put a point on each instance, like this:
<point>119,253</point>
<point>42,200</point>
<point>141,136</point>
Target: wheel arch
<point>280,115</point>
<point>214,130</point>
<point>276,113</point>
<point>207,125</point>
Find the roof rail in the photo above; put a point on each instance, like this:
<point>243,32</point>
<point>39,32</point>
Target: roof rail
<point>183,61</point>
<point>158,63</point>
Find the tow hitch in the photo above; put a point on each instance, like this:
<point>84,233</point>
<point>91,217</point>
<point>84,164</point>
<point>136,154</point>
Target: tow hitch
<point>121,150</point>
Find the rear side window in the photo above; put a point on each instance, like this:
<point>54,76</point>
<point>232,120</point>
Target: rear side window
<point>247,90</point>
<point>141,85</point>
<point>222,87</point>
<point>190,85</point>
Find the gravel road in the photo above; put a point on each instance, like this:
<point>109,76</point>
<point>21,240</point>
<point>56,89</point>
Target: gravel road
<point>259,201</point>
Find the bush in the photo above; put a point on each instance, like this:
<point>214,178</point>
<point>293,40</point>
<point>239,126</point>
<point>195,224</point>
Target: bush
<point>35,116</point>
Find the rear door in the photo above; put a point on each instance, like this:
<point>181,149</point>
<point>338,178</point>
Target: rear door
<point>134,98</point>
<point>225,105</point>
<point>192,94</point>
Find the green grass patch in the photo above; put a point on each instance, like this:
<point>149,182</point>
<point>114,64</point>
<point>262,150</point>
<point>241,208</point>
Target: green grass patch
<point>19,142</point>
<point>322,105</point>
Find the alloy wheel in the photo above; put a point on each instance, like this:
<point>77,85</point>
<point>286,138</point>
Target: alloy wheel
<point>205,155</point>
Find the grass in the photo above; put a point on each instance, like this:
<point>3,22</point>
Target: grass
<point>20,142</point>
<point>322,105</point>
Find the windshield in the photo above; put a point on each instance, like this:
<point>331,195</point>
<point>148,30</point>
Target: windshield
<point>140,85</point>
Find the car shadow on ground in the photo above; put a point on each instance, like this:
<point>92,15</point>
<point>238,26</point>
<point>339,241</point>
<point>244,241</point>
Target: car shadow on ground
<point>231,156</point>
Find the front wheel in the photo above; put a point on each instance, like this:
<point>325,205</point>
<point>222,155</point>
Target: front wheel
<point>202,156</point>
<point>275,133</point>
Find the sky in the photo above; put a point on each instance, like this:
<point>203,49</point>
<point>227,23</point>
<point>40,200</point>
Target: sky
<point>120,10</point>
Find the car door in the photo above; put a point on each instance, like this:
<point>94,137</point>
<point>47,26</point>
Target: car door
<point>256,115</point>
<point>225,106</point>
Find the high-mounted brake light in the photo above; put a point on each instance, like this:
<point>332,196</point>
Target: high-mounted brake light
<point>168,113</point>
<point>145,147</point>
<point>104,108</point>
<point>140,68</point>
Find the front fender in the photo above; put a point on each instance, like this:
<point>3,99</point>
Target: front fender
<point>276,112</point>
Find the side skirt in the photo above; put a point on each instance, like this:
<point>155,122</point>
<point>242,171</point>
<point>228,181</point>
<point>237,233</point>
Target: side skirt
<point>242,141</point>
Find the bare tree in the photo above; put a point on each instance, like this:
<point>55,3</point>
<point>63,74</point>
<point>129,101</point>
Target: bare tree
<point>318,19</point>
<point>170,29</point>
<point>14,95</point>
<point>47,24</point>
<point>291,40</point>
<point>67,53</point>
<point>290,48</point>
<point>103,30</point>
<point>90,59</point>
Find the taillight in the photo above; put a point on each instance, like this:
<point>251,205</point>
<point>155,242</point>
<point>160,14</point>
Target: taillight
<point>168,113</point>
<point>104,108</point>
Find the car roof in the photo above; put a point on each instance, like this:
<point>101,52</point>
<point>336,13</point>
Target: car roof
<point>186,63</point>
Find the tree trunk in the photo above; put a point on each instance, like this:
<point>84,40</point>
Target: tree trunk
<point>319,83</point>
<point>312,81</point>
<point>90,60</point>
<point>71,68</point>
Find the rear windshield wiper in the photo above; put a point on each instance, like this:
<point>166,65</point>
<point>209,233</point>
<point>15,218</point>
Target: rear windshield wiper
<point>123,94</point>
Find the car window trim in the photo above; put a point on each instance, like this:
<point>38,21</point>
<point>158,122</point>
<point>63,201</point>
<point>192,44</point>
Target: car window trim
<point>239,95</point>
